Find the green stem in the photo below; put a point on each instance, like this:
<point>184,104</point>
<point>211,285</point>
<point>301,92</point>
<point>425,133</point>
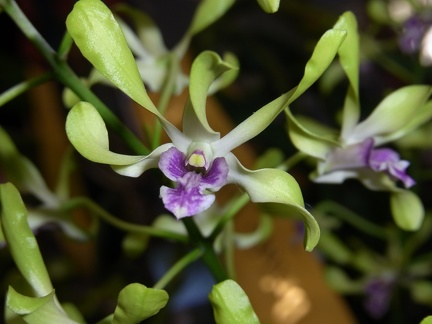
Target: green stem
<point>65,46</point>
<point>128,227</point>
<point>65,75</point>
<point>206,246</point>
<point>236,205</point>
<point>166,94</point>
<point>22,87</point>
<point>292,161</point>
<point>351,218</point>
<point>177,268</point>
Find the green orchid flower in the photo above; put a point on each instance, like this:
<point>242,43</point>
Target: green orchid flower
<point>354,152</point>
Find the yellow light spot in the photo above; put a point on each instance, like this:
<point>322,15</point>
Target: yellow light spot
<point>197,160</point>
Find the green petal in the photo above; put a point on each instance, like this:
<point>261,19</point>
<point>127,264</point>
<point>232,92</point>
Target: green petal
<point>207,12</point>
<point>100,39</point>
<point>395,114</point>
<point>231,304</point>
<point>136,302</point>
<point>407,210</point>
<point>322,56</point>
<point>44,309</point>
<point>275,186</point>
<point>87,132</point>
<point>317,143</point>
<point>269,6</point>
<point>350,62</point>
<point>206,68</point>
<point>21,240</point>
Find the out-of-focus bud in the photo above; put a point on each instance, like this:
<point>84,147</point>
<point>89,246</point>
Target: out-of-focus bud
<point>269,6</point>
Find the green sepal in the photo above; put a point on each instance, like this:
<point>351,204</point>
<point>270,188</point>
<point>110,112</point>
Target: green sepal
<point>36,310</point>
<point>207,12</point>
<point>231,304</point>
<point>21,240</point>
<point>310,137</point>
<point>100,39</point>
<point>269,6</point>
<point>426,320</point>
<point>136,303</point>
<point>407,209</point>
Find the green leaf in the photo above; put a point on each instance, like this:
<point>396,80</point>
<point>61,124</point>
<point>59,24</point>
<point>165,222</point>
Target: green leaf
<point>45,309</point>
<point>407,209</point>
<point>278,187</point>
<point>21,240</point>
<point>136,302</point>
<point>100,39</point>
<point>231,304</point>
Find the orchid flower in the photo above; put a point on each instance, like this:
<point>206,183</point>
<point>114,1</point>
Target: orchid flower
<point>355,152</point>
<point>198,160</point>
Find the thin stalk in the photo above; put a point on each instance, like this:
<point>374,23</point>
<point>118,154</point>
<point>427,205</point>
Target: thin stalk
<point>65,46</point>
<point>352,218</point>
<point>236,205</point>
<point>177,268</point>
<point>229,249</point>
<point>65,75</point>
<point>206,246</point>
<point>128,227</point>
<point>292,161</point>
<point>22,87</point>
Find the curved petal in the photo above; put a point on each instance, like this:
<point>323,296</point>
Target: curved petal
<point>87,132</point>
<point>274,186</point>
<point>207,12</point>
<point>393,113</point>
<point>323,54</point>
<point>206,68</point>
<point>350,62</point>
<point>100,39</point>
<point>317,144</point>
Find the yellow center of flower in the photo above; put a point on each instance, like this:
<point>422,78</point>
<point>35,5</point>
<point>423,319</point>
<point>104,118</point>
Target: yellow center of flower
<point>197,160</point>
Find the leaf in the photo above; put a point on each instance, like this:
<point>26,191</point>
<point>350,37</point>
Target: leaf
<point>407,210</point>
<point>45,309</point>
<point>231,304</point>
<point>21,240</point>
<point>136,302</point>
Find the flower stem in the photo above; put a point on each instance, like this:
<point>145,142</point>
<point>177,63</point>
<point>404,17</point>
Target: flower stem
<point>65,75</point>
<point>292,161</point>
<point>206,246</point>
<point>235,206</point>
<point>351,218</point>
<point>177,268</point>
<point>128,227</point>
<point>22,87</point>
